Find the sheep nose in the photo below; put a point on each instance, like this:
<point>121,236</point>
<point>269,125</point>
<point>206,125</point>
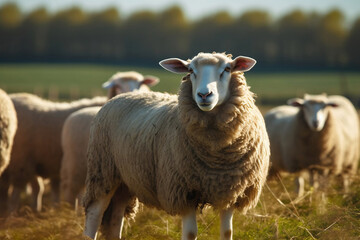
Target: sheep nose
<point>316,123</point>
<point>204,95</point>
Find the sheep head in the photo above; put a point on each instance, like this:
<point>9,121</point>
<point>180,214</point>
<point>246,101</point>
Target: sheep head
<point>315,108</point>
<point>210,75</point>
<point>123,82</point>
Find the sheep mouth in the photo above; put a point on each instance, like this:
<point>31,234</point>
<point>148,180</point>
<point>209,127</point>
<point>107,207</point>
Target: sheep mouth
<point>205,104</point>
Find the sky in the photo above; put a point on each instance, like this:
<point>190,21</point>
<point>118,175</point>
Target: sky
<point>195,9</point>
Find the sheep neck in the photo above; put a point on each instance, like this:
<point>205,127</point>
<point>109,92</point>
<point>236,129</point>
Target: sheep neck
<point>316,147</point>
<point>220,133</point>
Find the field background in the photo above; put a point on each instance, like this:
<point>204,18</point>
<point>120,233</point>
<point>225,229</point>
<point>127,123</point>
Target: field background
<point>71,81</point>
<point>277,216</point>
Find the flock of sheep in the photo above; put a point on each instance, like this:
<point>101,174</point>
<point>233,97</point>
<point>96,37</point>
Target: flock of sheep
<point>208,145</point>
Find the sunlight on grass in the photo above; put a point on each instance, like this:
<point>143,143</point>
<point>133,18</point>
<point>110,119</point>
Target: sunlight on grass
<point>275,217</point>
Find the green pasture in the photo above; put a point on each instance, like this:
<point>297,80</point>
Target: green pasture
<point>65,81</point>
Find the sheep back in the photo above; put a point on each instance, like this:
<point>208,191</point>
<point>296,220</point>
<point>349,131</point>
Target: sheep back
<point>37,143</point>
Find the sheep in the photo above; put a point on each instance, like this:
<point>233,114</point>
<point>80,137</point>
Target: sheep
<point>205,146</point>
<point>37,150</point>
<point>319,134</point>
<point>123,82</point>
<point>76,130</point>
<point>8,126</point>
<point>42,155</point>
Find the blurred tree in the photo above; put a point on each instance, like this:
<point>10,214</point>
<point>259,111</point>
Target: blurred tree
<point>252,35</point>
<point>293,37</point>
<point>65,35</point>
<point>212,33</point>
<point>172,34</point>
<point>73,16</point>
<point>151,37</point>
<point>10,16</point>
<point>140,31</point>
<point>10,19</point>
<point>103,35</point>
<point>110,15</point>
<point>331,37</point>
<point>353,44</point>
<point>296,39</point>
<point>34,34</point>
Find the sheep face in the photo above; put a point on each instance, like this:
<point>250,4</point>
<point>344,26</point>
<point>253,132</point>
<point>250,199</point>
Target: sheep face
<point>315,108</point>
<point>210,75</point>
<point>123,82</point>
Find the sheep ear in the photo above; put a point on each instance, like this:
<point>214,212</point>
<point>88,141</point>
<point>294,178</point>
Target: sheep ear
<point>175,65</point>
<point>108,84</point>
<point>296,102</point>
<point>242,64</point>
<point>150,81</point>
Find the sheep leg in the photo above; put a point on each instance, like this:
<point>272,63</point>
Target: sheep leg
<point>118,206</point>
<point>37,188</point>
<point>226,224</point>
<point>94,213</point>
<point>55,189</point>
<point>71,190</point>
<point>189,226</point>
<point>314,180</point>
<point>346,183</point>
<point>4,188</point>
<point>299,183</point>
<point>77,206</point>
<point>15,198</point>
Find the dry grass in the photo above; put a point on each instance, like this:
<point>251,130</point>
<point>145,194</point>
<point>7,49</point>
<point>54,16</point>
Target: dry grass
<point>277,216</point>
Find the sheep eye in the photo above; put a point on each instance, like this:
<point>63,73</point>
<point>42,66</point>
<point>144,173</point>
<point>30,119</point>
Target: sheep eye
<point>227,69</point>
<point>191,71</point>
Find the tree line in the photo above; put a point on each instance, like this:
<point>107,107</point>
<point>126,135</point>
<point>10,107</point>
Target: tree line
<point>296,40</point>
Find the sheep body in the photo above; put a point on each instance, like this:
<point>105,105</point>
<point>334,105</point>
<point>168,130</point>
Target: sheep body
<point>37,148</point>
<point>175,157</point>
<point>295,147</point>
<point>74,142</point>
<point>76,130</point>
<point>8,126</point>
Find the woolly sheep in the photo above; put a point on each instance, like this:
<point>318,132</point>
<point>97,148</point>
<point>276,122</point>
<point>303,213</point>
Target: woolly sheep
<point>76,130</point>
<point>42,154</point>
<point>207,146</point>
<point>318,133</point>
<point>8,125</point>
<point>37,149</point>
<point>123,82</point>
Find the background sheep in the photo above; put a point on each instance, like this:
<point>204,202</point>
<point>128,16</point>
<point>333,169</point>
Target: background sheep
<point>8,125</point>
<point>206,146</point>
<point>320,134</point>
<point>123,82</point>
<point>76,130</point>
<point>37,149</point>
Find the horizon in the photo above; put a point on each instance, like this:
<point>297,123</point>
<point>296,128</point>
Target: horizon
<point>197,9</point>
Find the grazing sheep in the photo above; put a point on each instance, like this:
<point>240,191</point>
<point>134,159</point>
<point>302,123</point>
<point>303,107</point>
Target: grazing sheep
<point>76,130</point>
<point>37,149</point>
<point>8,125</point>
<point>123,82</point>
<point>319,133</point>
<point>207,146</point>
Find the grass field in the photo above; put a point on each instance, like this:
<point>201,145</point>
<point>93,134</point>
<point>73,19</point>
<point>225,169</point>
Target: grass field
<point>66,81</point>
<point>275,217</point>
